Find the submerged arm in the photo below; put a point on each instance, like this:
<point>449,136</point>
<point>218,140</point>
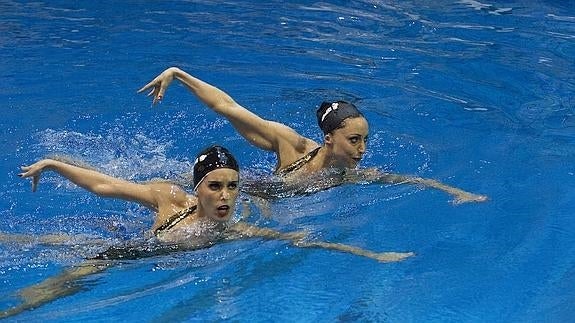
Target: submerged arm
<point>54,239</point>
<point>375,176</point>
<point>379,256</point>
<point>262,133</point>
<point>297,239</point>
<point>65,284</point>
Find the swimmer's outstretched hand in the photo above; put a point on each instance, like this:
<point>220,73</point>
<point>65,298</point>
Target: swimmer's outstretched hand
<point>392,256</point>
<point>158,86</point>
<point>466,197</point>
<point>379,256</point>
<point>33,171</point>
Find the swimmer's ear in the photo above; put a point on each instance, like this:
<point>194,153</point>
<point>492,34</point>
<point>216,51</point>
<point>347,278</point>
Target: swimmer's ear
<point>327,139</point>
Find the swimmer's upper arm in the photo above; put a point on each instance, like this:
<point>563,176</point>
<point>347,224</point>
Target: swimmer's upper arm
<point>151,195</point>
<point>262,133</point>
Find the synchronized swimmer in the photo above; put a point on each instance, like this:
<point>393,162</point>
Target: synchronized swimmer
<point>345,137</point>
<point>182,221</point>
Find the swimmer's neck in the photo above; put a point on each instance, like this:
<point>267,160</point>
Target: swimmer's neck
<point>211,224</point>
<point>324,160</point>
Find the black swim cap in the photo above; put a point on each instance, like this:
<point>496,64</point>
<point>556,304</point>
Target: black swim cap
<point>330,115</point>
<point>210,159</point>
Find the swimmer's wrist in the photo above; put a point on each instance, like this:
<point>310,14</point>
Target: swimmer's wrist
<point>52,164</point>
<point>48,164</point>
<point>176,72</point>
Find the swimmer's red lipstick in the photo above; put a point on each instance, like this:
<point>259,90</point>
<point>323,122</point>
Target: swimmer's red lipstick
<point>223,210</point>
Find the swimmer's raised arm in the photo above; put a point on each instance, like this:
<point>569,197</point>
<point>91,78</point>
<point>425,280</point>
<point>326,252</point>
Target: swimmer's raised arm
<point>265,134</point>
<point>297,238</point>
<point>94,182</point>
<point>374,175</point>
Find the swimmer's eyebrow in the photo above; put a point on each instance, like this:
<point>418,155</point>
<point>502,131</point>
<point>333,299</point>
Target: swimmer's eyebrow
<point>219,182</point>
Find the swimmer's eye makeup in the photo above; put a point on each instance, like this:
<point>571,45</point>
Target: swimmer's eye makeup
<point>354,140</point>
<point>216,186</point>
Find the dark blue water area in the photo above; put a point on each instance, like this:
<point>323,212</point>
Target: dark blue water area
<point>475,94</point>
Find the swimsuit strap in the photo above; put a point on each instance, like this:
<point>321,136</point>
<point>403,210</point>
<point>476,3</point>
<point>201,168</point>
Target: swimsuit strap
<point>175,219</point>
<point>298,163</point>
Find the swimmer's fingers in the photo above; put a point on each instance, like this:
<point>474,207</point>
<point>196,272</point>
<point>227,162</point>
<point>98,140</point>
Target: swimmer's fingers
<point>27,171</point>
<point>164,81</point>
<point>146,87</point>
<point>151,85</point>
<point>31,171</point>
<point>159,95</point>
<point>154,88</point>
<point>469,198</point>
<point>35,181</point>
<point>158,85</point>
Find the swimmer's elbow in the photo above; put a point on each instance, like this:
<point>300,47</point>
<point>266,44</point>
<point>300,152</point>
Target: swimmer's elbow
<point>394,179</point>
<point>103,190</point>
<point>221,102</point>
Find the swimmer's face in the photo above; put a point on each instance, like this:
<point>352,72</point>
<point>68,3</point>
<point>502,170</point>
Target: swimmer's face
<point>217,194</point>
<point>348,143</point>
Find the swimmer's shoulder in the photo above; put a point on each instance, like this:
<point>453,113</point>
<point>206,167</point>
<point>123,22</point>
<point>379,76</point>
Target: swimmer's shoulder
<point>171,194</point>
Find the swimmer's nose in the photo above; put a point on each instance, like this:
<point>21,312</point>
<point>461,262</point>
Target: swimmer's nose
<point>225,194</point>
<point>362,147</point>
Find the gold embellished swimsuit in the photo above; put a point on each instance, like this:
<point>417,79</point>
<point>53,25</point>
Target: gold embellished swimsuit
<point>298,163</point>
<point>175,219</point>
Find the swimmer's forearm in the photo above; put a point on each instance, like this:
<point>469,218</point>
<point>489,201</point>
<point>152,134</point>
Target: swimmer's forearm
<point>433,184</point>
<point>88,179</point>
<point>379,256</point>
<point>256,130</point>
<point>80,176</point>
<point>210,95</point>
<point>460,195</point>
<point>374,175</point>
<point>47,239</point>
<point>251,231</point>
<point>297,239</point>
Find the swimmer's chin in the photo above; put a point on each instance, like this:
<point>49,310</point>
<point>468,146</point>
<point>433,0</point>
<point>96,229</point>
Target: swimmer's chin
<point>223,213</point>
<point>355,163</point>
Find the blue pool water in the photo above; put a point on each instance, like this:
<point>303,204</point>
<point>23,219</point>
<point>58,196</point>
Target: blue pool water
<point>475,94</point>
